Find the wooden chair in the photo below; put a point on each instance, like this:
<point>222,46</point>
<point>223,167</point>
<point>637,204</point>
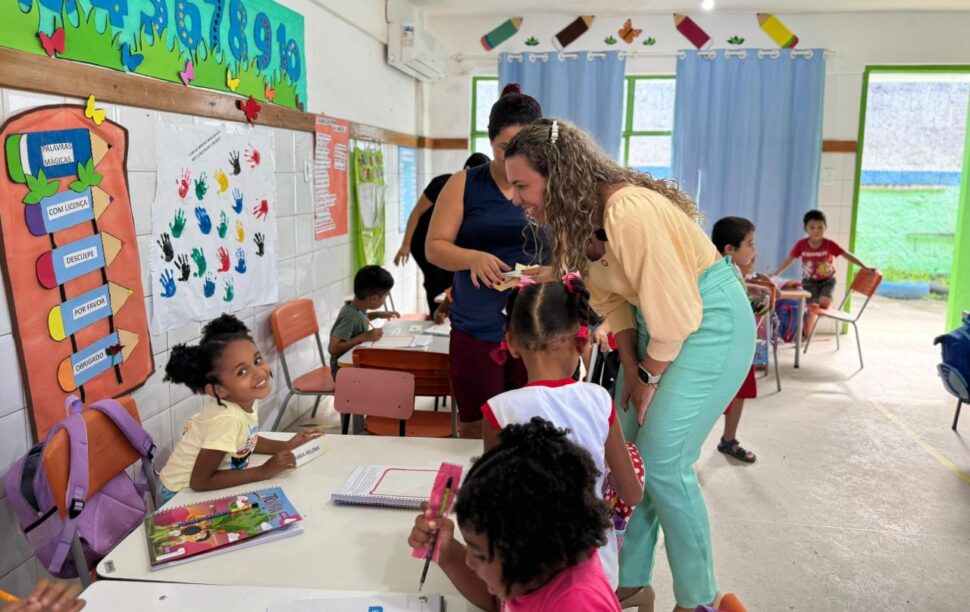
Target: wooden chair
<point>865,283</point>
<point>291,322</point>
<point>109,454</point>
<point>431,379</point>
<point>385,398</point>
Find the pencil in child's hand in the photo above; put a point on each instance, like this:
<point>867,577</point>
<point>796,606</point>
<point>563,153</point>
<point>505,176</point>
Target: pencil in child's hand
<point>434,536</point>
<point>7,597</point>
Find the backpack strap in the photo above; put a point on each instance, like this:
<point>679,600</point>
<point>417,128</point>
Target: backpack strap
<point>77,485</point>
<point>139,439</point>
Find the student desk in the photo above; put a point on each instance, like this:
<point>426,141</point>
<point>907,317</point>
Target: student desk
<point>398,327</point>
<point>163,596</point>
<point>360,548</point>
<point>801,296</point>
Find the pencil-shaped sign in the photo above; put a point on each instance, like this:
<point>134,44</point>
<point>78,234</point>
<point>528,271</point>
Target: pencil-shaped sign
<point>499,35</point>
<point>570,33</point>
<point>775,29</point>
<point>57,153</point>
<point>76,259</point>
<point>77,313</point>
<point>66,209</point>
<point>691,31</point>
<point>92,360</point>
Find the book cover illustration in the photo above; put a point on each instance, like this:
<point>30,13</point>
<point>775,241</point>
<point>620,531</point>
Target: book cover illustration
<point>194,529</point>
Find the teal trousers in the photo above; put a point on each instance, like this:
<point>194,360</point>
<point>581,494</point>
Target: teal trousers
<point>693,393</point>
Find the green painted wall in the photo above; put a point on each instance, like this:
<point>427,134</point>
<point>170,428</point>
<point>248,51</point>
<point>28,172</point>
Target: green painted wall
<point>959,299</point>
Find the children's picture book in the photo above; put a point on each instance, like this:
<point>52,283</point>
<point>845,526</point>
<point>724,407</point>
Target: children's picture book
<point>190,532</point>
<point>388,602</point>
<point>384,485</point>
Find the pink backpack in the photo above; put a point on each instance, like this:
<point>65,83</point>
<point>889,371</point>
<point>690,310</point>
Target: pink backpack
<point>100,520</point>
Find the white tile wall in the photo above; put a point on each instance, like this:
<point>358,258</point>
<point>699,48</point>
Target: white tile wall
<point>321,270</point>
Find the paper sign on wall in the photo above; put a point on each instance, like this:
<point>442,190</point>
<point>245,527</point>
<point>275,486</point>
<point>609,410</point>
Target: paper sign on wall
<point>407,162</point>
<point>330,160</point>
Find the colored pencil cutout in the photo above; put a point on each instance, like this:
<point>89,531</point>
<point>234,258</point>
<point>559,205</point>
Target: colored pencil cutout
<point>691,31</point>
<point>75,314</point>
<point>570,33</point>
<point>74,260</point>
<point>66,209</point>
<point>508,29</point>
<point>777,31</point>
<point>57,152</point>
<point>628,33</point>
<point>112,350</point>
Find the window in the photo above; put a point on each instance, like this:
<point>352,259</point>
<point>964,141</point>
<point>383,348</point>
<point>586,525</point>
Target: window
<point>648,111</point>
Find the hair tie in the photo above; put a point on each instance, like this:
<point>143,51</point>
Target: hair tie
<point>554,132</point>
<point>525,281</point>
<point>568,279</point>
<point>582,338</point>
<point>501,354</point>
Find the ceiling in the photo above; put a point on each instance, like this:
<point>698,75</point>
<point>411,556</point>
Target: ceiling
<point>624,7</point>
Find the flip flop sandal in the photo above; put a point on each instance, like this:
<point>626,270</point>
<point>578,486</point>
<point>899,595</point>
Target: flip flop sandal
<point>732,448</point>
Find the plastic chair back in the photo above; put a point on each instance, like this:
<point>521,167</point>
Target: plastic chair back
<point>430,370</point>
<point>293,321</point>
<point>378,393</point>
<point>867,281</point>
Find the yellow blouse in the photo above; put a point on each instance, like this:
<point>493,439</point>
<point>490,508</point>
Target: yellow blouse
<point>654,256</point>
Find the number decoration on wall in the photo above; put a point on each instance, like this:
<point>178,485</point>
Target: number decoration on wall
<point>193,42</point>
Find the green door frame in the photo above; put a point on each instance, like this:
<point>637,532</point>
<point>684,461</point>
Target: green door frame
<point>961,261</point>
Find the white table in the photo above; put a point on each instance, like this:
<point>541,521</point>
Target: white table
<point>164,597</point>
<point>801,295</point>
<point>342,547</point>
<point>398,327</point>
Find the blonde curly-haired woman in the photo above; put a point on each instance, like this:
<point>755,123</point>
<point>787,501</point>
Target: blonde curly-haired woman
<point>682,324</point>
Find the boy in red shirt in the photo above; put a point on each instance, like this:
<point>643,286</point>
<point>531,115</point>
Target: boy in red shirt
<point>818,255</point>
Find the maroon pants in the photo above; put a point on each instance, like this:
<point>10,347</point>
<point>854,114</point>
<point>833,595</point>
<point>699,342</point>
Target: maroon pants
<point>477,377</point>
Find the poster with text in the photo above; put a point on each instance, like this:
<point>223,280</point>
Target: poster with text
<point>369,191</point>
<point>407,164</point>
<point>213,223</point>
<point>330,177</point>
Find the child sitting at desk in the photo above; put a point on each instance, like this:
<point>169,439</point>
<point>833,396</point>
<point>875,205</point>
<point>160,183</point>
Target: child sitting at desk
<point>216,444</point>
<point>372,285</point>
<point>531,519</point>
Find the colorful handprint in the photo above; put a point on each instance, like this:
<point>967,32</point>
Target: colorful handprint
<point>224,262</point>
<point>183,183</point>
<point>240,261</point>
<point>199,258</point>
<point>178,224</point>
<point>230,291</point>
<point>205,223</point>
<point>261,209</point>
<point>167,279</point>
<point>183,265</point>
<point>240,232</point>
<point>201,187</point>
<point>252,156</point>
<point>168,253</point>
<point>223,227</point>
<point>209,288</point>
<point>234,162</point>
<point>222,180</point>
<point>260,241</point>
<point>237,205</point>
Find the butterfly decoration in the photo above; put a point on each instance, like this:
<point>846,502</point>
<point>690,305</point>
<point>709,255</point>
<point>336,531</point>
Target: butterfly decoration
<point>250,108</point>
<point>130,60</point>
<point>299,104</point>
<point>532,41</point>
<point>96,115</point>
<point>628,33</point>
<point>609,40</point>
<point>188,74</point>
<point>232,83</point>
<point>53,43</point>
<point>650,42</point>
<point>269,92</point>
<point>735,40</point>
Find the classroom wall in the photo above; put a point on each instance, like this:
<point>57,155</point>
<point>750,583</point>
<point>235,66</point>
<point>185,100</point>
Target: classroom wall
<point>857,39</point>
<point>338,54</point>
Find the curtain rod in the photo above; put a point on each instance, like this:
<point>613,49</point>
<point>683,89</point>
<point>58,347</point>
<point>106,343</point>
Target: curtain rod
<point>591,55</point>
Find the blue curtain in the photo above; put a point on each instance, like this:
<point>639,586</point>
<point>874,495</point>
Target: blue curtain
<point>747,140</point>
<point>586,90</point>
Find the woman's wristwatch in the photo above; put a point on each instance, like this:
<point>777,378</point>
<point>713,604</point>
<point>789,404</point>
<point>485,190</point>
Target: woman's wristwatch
<point>646,377</point>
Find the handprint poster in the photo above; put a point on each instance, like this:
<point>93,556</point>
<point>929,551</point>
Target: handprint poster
<point>213,223</point>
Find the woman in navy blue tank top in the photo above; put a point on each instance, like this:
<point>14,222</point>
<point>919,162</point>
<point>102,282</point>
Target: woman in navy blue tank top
<point>478,233</point>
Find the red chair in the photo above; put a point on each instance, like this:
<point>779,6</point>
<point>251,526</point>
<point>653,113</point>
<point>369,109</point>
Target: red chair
<point>431,379</point>
<point>383,397</point>
<point>291,322</point>
<point>865,283</point>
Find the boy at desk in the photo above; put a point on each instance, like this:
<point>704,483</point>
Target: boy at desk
<point>372,284</point>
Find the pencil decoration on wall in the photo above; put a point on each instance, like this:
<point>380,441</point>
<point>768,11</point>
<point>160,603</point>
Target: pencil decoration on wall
<point>108,352</point>
<point>691,31</point>
<point>508,29</point>
<point>777,31</point>
<point>570,33</point>
<point>72,316</point>
<point>56,152</point>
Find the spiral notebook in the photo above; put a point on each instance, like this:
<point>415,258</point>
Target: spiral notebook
<point>385,485</point>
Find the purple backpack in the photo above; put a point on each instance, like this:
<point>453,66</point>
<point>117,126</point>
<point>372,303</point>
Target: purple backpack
<point>98,521</point>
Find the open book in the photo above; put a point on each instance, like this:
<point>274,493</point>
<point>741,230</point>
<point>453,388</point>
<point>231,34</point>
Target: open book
<point>384,485</point>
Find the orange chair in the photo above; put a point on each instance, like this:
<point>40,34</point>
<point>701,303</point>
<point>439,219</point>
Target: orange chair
<point>410,316</point>
<point>386,398</point>
<point>431,379</point>
<point>109,454</point>
<point>291,322</point>
<point>865,283</point>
